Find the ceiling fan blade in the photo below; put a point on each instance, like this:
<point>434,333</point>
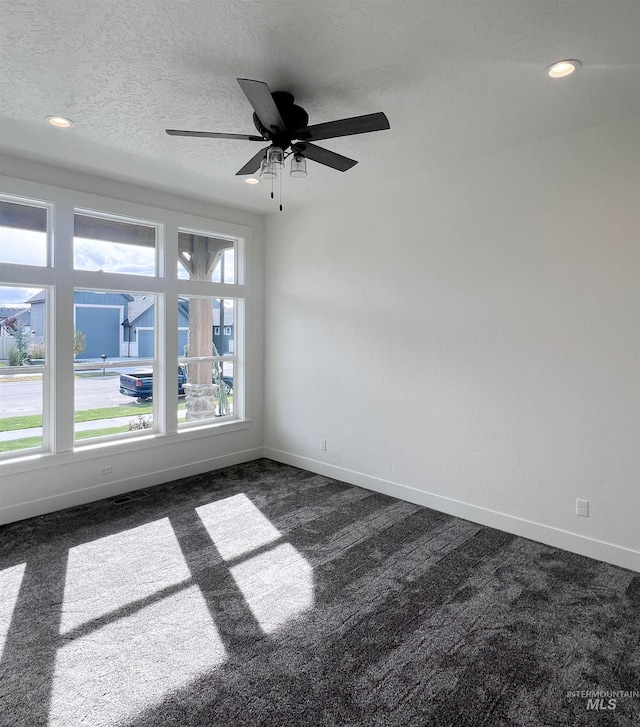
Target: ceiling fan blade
<point>263,104</point>
<point>254,163</point>
<point>324,156</point>
<point>345,127</point>
<point>213,135</point>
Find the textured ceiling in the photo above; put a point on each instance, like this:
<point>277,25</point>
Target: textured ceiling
<point>457,79</point>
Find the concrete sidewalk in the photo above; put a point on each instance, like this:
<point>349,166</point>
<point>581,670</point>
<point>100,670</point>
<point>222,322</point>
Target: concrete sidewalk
<point>79,427</point>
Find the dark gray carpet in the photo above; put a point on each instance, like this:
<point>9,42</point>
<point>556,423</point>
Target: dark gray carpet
<point>265,595</point>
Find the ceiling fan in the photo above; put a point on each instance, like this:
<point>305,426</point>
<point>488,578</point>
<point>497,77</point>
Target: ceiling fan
<point>284,124</point>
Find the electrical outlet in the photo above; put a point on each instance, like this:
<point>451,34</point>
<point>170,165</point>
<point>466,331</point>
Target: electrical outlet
<point>582,507</point>
<point>323,444</point>
<point>104,470</point>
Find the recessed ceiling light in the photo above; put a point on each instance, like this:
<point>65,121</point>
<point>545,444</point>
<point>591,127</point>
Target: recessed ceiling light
<point>560,69</point>
<point>252,180</point>
<point>59,122</point>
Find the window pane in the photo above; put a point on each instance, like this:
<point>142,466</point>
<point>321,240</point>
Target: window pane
<point>113,246</point>
<point>20,411</point>
<point>200,330</point>
<point>22,353</point>
<point>23,234</point>
<point>202,257</point>
<point>114,340</point>
<point>206,329</point>
<point>210,399</point>
<point>101,407</point>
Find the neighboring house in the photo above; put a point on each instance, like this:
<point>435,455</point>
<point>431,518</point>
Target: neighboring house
<point>139,327</point>
<point>223,334</point>
<point>119,325</point>
<point>37,309</point>
<point>98,315</point>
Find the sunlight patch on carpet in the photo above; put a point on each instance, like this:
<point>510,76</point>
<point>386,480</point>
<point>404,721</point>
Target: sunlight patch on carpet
<point>236,526</point>
<point>277,586</point>
<point>110,675</point>
<point>10,581</point>
<point>108,573</point>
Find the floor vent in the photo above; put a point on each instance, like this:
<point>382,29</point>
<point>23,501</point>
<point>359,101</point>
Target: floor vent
<point>130,496</point>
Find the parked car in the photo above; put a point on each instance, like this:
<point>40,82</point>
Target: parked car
<point>140,384</point>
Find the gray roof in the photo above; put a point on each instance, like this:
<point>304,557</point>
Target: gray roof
<point>23,313</point>
<point>37,298</point>
<point>139,305</point>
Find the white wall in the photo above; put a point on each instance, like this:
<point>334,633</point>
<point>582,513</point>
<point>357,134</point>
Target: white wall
<point>469,339</point>
<point>42,483</point>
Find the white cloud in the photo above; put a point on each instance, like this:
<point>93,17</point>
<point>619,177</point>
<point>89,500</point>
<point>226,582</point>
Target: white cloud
<point>113,257</point>
<point>16,296</point>
<point>24,247</point>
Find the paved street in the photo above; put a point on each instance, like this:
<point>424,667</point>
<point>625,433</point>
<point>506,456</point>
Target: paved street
<point>24,398</point>
<point>18,398</point>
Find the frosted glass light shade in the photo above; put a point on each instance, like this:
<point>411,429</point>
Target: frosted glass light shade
<point>275,157</point>
<point>267,171</point>
<point>298,166</point>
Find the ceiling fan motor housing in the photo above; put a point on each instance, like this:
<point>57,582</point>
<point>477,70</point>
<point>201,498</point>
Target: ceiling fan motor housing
<point>295,119</point>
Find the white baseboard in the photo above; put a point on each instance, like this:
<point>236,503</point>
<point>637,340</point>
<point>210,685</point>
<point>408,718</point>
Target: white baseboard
<point>45,505</point>
<point>589,547</point>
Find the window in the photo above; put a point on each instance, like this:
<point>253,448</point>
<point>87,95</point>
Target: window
<point>24,315</point>
<point>118,367</point>
<point>23,350</point>
<point>114,363</point>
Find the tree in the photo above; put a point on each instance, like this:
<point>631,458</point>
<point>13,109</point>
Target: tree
<point>79,343</point>
<point>14,326</point>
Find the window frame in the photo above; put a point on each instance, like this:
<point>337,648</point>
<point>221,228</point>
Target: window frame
<point>61,279</point>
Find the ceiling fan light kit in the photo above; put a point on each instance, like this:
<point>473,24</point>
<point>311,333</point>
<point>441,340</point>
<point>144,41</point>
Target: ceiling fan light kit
<point>285,126</point>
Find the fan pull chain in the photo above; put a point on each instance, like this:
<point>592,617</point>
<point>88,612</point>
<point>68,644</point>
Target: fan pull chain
<point>281,174</point>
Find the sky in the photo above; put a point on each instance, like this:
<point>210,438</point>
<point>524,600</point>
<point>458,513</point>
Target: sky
<point>113,257</point>
<point>15,297</point>
<point>27,247</point>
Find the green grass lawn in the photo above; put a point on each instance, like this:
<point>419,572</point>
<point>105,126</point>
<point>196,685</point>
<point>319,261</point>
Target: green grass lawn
<point>11,424</point>
<point>30,442</point>
<point>26,443</point>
